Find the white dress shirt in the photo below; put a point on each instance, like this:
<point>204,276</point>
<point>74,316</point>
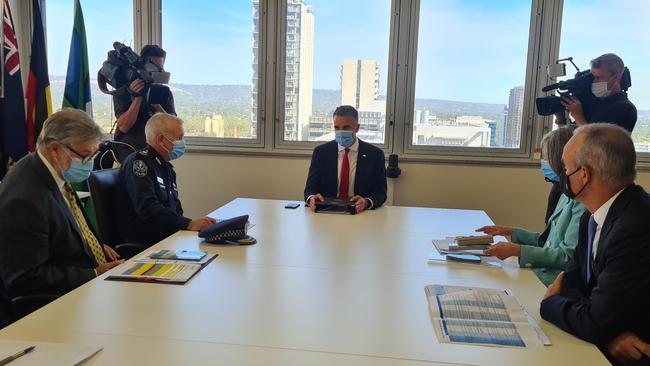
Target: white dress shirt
<point>352,159</point>
<point>57,177</point>
<point>60,182</point>
<point>599,216</point>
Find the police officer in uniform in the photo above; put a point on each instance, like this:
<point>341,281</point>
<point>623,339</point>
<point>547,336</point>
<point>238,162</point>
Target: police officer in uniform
<point>152,210</point>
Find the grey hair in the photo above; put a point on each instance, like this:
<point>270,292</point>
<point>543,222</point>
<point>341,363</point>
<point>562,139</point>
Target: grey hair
<point>160,124</point>
<point>609,151</point>
<point>553,144</point>
<point>69,127</point>
<point>346,111</point>
<point>613,63</point>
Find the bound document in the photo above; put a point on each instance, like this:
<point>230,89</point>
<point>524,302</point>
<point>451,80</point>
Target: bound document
<point>161,270</point>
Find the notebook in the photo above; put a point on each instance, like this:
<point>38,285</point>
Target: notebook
<point>180,255</point>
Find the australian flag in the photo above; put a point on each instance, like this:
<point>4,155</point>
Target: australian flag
<point>13,127</point>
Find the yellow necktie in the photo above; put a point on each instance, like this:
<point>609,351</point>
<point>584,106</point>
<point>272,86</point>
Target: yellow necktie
<point>94,245</point>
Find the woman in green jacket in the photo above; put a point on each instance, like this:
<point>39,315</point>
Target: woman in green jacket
<point>549,252</point>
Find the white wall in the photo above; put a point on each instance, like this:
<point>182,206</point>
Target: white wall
<point>510,195</point>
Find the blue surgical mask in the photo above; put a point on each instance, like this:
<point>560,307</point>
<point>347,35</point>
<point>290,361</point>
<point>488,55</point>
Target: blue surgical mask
<point>344,138</point>
<point>549,174</point>
<point>78,171</point>
<point>177,150</point>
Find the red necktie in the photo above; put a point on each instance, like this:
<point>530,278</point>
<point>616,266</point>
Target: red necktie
<point>345,176</point>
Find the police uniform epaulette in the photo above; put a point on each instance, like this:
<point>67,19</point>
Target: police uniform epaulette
<point>144,152</point>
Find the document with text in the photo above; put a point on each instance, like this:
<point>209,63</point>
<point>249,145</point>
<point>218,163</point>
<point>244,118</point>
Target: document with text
<point>482,316</point>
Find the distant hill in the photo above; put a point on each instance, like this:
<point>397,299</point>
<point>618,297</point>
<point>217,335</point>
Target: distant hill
<point>193,100</point>
<point>460,108</point>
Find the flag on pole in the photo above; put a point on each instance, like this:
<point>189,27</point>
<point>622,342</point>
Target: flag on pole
<point>77,79</point>
<point>39,101</point>
<point>77,87</point>
<point>13,127</point>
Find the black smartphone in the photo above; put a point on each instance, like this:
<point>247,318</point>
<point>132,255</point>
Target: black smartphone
<point>469,258</point>
<point>292,205</point>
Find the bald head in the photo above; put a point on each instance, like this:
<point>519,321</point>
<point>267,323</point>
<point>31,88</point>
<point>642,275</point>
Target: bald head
<point>607,150</point>
<point>162,130</point>
<point>163,124</point>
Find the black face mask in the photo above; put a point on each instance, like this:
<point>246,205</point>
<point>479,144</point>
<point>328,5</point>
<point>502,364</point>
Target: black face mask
<point>565,184</point>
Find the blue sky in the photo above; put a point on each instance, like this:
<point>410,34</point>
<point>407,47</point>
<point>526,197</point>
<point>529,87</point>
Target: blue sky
<point>469,50</point>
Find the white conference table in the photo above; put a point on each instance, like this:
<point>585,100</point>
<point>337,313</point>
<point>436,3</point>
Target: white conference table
<point>316,289</point>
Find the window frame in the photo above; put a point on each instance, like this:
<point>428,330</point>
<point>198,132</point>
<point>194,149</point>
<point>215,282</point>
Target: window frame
<point>532,126</point>
<point>543,49</point>
<point>642,158</point>
<point>279,142</point>
<point>149,30</point>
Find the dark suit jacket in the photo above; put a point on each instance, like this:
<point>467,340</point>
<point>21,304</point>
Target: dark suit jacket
<point>370,177</point>
<point>618,296</point>
<point>41,247</point>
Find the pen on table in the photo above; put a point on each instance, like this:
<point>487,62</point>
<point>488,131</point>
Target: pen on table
<point>16,355</point>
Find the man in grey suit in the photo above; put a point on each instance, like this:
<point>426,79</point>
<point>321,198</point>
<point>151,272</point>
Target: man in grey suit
<point>46,244</point>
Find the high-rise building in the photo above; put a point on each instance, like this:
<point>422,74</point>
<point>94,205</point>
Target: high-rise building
<point>360,85</point>
<point>306,69</point>
<point>215,126</point>
<point>425,116</point>
<point>515,117</point>
<point>298,69</point>
<point>492,125</point>
<point>255,76</point>
<point>360,89</point>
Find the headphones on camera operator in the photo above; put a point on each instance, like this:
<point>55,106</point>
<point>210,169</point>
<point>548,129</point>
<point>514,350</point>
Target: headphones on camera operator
<point>106,157</point>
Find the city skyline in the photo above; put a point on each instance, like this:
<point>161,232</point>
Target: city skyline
<point>467,19</point>
<point>326,52</point>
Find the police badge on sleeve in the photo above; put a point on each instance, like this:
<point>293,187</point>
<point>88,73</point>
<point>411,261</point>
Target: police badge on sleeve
<point>140,169</point>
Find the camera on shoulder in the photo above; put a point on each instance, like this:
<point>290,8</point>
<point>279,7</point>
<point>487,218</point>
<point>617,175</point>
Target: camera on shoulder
<point>578,87</point>
<point>123,66</point>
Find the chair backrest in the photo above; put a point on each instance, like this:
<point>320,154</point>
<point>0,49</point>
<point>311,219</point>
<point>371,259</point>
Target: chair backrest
<point>104,190</point>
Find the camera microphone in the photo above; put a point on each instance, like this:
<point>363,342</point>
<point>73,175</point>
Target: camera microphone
<point>551,87</point>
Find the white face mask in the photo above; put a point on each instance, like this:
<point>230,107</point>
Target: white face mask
<point>599,89</point>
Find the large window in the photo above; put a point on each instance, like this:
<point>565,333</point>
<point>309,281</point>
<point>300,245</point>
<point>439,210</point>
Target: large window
<point>594,27</point>
<point>212,55</point>
<point>106,22</point>
<point>432,79</point>
<point>471,67</point>
<point>336,53</point>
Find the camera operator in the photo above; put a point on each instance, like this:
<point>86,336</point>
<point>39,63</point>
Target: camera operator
<point>133,110</point>
<point>611,104</point>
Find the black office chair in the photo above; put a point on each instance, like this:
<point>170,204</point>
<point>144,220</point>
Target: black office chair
<point>12,309</point>
<point>105,192</point>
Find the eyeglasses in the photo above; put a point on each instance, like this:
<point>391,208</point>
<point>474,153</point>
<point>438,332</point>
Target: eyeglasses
<point>84,159</point>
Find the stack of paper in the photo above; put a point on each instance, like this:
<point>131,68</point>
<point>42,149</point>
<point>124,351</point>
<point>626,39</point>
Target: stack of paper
<point>449,245</point>
<point>46,353</point>
<point>442,248</point>
<point>482,316</point>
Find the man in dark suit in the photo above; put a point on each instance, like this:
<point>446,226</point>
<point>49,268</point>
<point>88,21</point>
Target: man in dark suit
<point>604,295</point>
<point>347,167</point>
<point>46,244</point>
